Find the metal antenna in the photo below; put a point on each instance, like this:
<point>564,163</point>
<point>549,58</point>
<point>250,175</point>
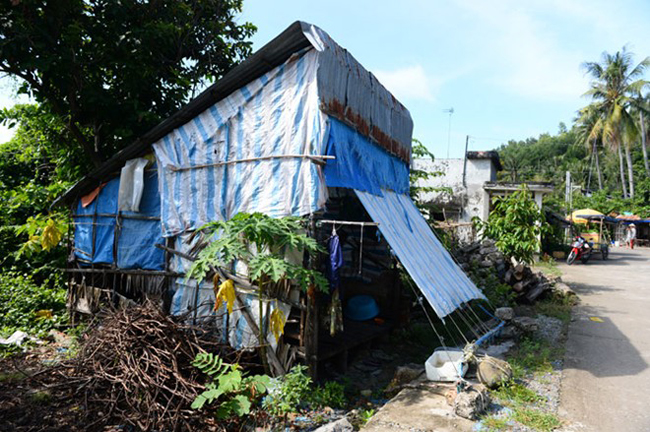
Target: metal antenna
<point>450,111</point>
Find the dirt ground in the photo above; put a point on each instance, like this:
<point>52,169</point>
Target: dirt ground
<point>606,376</point>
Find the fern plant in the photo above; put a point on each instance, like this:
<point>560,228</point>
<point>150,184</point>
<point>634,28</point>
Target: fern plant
<point>228,386</point>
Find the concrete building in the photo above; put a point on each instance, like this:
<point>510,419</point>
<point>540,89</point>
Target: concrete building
<point>465,188</point>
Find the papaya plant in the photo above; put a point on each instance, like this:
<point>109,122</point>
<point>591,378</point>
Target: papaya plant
<point>516,224</point>
<point>261,242</point>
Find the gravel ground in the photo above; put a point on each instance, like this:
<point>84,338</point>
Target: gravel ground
<point>546,385</point>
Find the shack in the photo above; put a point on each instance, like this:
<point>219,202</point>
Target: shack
<point>298,129</point>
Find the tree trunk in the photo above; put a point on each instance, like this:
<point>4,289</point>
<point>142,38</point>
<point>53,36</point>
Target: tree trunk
<point>630,170</point>
<point>622,170</point>
<point>643,145</point>
<point>600,174</point>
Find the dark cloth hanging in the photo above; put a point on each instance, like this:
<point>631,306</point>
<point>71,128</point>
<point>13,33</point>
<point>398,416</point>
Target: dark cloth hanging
<point>335,262</point>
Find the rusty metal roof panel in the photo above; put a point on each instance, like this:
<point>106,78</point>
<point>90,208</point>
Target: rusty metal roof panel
<point>347,91</point>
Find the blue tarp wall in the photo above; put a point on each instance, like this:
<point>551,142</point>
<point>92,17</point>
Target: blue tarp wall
<point>136,237</point>
<point>362,165</point>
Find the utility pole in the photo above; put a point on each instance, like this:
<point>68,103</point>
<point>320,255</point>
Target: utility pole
<point>450,111</point>
<point>465,161</point>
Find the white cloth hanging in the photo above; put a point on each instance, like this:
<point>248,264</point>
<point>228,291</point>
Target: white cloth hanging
<point>131,185</point>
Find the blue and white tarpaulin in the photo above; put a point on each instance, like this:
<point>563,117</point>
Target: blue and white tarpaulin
<point>274,115</point>
<point>233,326</point>
<point>443,283</point>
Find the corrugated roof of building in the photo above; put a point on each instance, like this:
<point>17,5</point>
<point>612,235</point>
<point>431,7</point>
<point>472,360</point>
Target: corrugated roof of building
<point>386,121</point>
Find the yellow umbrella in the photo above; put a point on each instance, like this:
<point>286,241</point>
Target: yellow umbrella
<point>584,212</point>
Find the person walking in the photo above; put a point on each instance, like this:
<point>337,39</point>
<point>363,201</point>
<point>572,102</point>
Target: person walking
<point>631,235</point>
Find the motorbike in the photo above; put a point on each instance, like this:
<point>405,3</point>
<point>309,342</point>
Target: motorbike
<point>581,250</point>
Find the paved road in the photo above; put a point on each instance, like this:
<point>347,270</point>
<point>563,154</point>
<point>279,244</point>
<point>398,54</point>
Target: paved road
<point>606,382</point>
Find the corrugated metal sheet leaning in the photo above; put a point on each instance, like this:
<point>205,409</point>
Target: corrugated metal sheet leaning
<point>443,283</point>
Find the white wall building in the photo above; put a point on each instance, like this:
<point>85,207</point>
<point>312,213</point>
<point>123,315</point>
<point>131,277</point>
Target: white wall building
<point>471,183</point>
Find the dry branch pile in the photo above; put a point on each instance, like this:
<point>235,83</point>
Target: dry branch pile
<point>136,369</point>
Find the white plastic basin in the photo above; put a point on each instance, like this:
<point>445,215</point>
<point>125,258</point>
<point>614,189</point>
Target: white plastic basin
<point>445,364</point>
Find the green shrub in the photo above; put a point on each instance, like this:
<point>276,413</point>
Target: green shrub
<point>28,307</point>
<point>229,388</point>
<point>290,392</point>
<point>332,394</point>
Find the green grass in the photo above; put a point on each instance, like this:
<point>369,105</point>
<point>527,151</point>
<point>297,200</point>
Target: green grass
<point>549,268</point>
<point>515,394</point>
<point>536,419</point>
<point>495,424</point>
<point>533,356</point>
<point>12,377</point>
<point>41,397</point>
<point>557,306</point>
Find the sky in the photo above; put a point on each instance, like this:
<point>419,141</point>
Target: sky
<point>510,69</point>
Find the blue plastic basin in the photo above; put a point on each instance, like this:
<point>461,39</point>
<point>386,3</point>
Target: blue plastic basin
<point>361,308</point>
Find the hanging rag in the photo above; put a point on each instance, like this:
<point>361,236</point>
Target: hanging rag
<point>335,261</point>
<point>334,275</point>
<point>131,185</point>
<point>88,199</point>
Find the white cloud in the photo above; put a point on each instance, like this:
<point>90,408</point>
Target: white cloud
<point>409,83</point>
<point>529,58</point>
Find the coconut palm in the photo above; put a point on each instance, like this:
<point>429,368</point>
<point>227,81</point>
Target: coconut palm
<point>641,110</point>
<point>590,130</point>
<point>615,82</point>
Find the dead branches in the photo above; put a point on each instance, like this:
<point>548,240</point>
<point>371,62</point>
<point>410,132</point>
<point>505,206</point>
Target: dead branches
<point>136,369</point>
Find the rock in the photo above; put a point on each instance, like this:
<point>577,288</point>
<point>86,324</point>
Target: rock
<point>488,250</point>
<point>564,289</point>
<point>341,425</point>
<point>509,332</point>
<point>505,313</point>
<point>499,350</point>
<point>472,402</point>
<point>494,257</point>
<point>486,264</point>
<point>470,248</point>
<point>549,328</point>
<point>406,374</point>
<point>488,243</point>
<point>493,372</point>
<point>366,393</point>
<point>525,324</point>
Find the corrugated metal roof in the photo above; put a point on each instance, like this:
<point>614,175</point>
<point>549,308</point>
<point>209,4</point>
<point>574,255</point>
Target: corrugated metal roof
<point>373,111</point>
<point>434,271</point>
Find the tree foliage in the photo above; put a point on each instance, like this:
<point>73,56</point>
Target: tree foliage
<point>35,167</point>
<point>111,70</point>
<point>516,224</point>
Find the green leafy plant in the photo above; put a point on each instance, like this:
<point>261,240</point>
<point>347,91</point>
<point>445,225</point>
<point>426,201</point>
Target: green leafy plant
<point>28,307</point>
<point>290,392</point>
<point>366,415</point>
<point>228,386</point>
<point>332,394</point>
<point>516,224</point>
<point>261,242</point>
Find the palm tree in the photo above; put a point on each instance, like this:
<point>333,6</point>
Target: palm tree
<point>590,131</point>
<point>614,84</point>
<point>641,107</point>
